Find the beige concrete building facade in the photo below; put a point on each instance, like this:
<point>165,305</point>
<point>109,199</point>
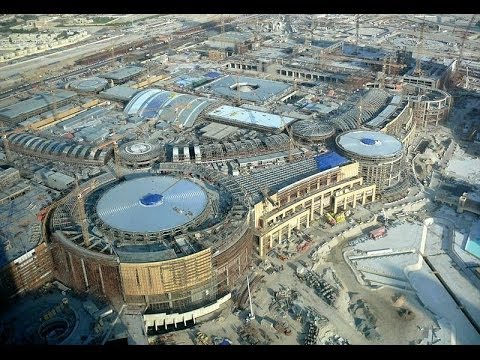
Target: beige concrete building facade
<point>297,205</point>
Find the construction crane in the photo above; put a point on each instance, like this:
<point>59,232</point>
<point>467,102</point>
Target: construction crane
<point>357,27</point>
<point>81,215</point>
<point>460,50</point>
<point>291,141</point>
<point>116,158</point>
<point>78,195</point>
<point>251,315</point>
<point>359,118</point>
<point>418,63</point>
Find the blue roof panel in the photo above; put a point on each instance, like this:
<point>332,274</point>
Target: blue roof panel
<point>329,160</point>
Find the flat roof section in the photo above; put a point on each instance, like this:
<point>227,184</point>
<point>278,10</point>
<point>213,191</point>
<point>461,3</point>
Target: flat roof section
<point>330,160</point>
<point>124,73</point>
<point>240,116</point>
<point>35,103</point>
<point>120,93</point>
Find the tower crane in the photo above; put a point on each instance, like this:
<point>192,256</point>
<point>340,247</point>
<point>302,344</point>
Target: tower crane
<point>460,50</point>
<point>78,195</point>
<point>81,215</point>
<point>418,63</point>
<point>291,141</point>
<point>116,158</point>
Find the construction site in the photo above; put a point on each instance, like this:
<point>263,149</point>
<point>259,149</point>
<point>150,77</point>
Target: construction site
<point>243,179</point>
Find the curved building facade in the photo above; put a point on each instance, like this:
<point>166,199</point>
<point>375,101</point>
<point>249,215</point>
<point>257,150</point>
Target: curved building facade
<point>171,241</point>
<point>49,149</point>
<point>431,107</point>
<point>140,154</point>
<point>312,130</point>
<point>169,106</point>
<point>380,156</point>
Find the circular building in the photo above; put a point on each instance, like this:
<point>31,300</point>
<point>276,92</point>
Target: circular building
<point>430,106</point>
<point>311,130</point>
<point>171,241</point>
<point>89,85</point>
<point>378,154</point>
<point>139,154</point>
<point>153,205</point>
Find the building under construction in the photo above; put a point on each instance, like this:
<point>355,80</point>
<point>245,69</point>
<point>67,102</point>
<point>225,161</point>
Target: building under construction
<point>180,244</point>
<point>430,106</point>
<point>14,114</point>
<point>64,151</point>
<point>380,156</point>
<point>303,192</point>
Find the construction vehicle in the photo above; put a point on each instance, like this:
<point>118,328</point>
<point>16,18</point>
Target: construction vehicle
<point>340,217</point>
<point>202,339</point>
<point>330,219</point>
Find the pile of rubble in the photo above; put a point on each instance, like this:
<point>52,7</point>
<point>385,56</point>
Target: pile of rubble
<point>364,320</point>
<point>322,288</point>
<point>251,335</point>
<point>336,340</point>
<point>283,302</point>
<point>312,333</point>
<point>313,321</point>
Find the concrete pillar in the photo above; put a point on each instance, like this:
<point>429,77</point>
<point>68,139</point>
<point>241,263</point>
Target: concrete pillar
<point>312,206</point>
<point>84,273</point>
<point>101,278</point>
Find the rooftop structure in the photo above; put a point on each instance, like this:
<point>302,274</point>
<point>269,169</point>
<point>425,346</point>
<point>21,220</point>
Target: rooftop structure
<point>369,144</point>
<point>151,204</point>
<point>32,145</point>
<point>347,116</point>
<point>242,117</point>
<point>229,39</point>
<point>312,130</point>
<point>35,105</point>
<point>247,88</point>
<point>123,74</point>
<point>93,84</point>
<point>169,106</point>
<point>139,154</point>
<point>119,93</point>
<point>434,74</point>
<point>380,157</point>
